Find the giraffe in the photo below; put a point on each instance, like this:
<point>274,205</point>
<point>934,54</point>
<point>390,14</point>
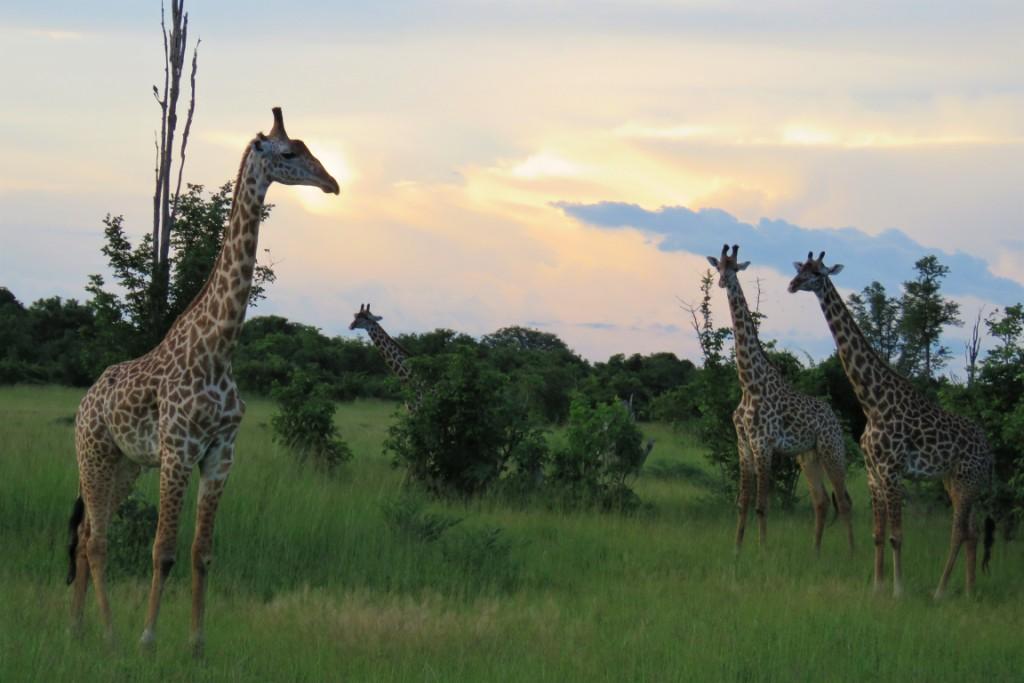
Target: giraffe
<point>906,435</point>
<point>773,418</point>
<point>177,407</point>
<point>393,353</point>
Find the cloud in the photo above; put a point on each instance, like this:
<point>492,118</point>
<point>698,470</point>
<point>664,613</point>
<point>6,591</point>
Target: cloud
<point>888,257</point>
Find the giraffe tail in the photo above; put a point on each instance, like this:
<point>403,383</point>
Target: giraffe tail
<point>77,515</point>
<point>990,538</point>
<point>835,509</point>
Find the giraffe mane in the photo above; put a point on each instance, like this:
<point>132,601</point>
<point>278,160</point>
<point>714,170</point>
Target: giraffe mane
<point>234,207</point>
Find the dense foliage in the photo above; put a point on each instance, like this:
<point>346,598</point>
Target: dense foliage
<point>305,422</point>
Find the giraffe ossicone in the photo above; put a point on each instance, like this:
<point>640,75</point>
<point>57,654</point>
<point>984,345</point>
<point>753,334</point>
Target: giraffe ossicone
<point>906,435</point>
<point>177,407</point>
<point>773,418</point>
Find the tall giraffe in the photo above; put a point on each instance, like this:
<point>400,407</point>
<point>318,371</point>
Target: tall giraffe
<point>177,407</point>
<point>394,354</point>
<point>773,418</point>
<point>906,435</point>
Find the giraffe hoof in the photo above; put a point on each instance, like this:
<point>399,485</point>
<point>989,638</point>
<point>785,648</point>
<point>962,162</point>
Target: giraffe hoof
<point>147,643</point>
<point>198,649</point>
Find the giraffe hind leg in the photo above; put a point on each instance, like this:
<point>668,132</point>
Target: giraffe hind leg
<point>835,469</point>
<point>814,474</point>
<point>97,477</point>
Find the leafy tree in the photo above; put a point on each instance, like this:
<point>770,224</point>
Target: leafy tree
<point>603,447</point>
<point>468,430</point>
<point>924,313</point>
<point>305,423</point>
<point>126,321</point>
<point>878,316</point>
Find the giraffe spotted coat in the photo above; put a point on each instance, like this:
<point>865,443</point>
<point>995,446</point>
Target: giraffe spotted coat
<point>773,419</point>
<point>177,407</point>
<point>907,435</point>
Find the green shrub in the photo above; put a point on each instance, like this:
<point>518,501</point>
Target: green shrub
<point>603,447</point>
<point>468,429</point>
<point>130,538</point>
<point>305,423</point>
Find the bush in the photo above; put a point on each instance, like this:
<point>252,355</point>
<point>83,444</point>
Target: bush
<point>603,447</point>
<point>305,423</point>
<point>468,430</point>
<point>130,538</point>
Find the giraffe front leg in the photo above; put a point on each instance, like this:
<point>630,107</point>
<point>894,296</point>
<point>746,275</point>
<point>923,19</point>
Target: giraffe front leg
<point>214,472</point>
<point>894,511</point>
<point>174,475</point>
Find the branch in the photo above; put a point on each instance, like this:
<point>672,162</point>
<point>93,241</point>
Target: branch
<point>188,127</point>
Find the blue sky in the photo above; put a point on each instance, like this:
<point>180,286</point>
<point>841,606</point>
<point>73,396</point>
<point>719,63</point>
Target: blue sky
<point>566,164</point>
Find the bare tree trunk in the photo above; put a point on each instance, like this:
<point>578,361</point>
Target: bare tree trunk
<point>973,348</point>
<point>164,202</point>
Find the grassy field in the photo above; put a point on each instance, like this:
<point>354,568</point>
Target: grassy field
<point>320,578</point>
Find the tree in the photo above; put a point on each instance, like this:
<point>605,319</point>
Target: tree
<point>165,202</point>
<point>468,430</point>
<point>124,321</point>
<point>603,447</point>
<point>878,316</point>
<point>924,313</point>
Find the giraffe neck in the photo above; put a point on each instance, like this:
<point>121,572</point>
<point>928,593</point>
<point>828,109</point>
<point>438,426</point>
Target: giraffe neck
<point>394,355</point>
<point>752,364</point>
<point>214,318</point>
<point>869,375</point>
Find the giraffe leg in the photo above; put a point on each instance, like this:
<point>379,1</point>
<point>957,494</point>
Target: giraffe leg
<point>97,479</point>
<point>763,466</point>
<point>80,586</point>
<point>214,472</point>
<point>971,543</point>
<point>125,472</point>
<point>835,468</point>
<point>894,510</point>
<point>958,533</point>
<point>174,474</point>
<point>747,475</point>
<point>813,472</point>
<point>879,512</point>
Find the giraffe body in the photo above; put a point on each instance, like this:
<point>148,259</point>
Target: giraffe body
<point>907,435</point>
<point>177,407</point>
<point>773,419</point>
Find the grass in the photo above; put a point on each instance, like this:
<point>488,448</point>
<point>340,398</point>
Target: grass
<point>314,579</point>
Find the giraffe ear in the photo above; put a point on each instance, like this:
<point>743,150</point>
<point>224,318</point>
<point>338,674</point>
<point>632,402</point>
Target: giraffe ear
<point>837,268</point>
<point>742,266</point>
<point>713,261</point>
<point>799,266</point>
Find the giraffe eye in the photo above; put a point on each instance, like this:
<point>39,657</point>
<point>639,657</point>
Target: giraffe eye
<point>288,155</point>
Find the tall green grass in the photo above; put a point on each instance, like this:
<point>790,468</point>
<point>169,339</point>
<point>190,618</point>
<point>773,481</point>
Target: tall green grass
<point>314,579</point>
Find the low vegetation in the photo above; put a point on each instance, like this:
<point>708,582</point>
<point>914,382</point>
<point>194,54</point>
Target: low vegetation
<point>355,577</point>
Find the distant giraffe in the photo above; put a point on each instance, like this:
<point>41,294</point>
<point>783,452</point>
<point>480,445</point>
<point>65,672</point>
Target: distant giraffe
<point>177,407</point>
<point>395,355</point>
<point>906,435</point>
<point>775,419</point>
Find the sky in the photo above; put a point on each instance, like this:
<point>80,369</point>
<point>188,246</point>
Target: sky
<point>562,164</point>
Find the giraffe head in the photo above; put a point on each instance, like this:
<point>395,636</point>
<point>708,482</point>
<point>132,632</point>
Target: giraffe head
<point>288,161</point>
<point>364,319</point>
<point>727,265</point>
<point>812,273</point>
